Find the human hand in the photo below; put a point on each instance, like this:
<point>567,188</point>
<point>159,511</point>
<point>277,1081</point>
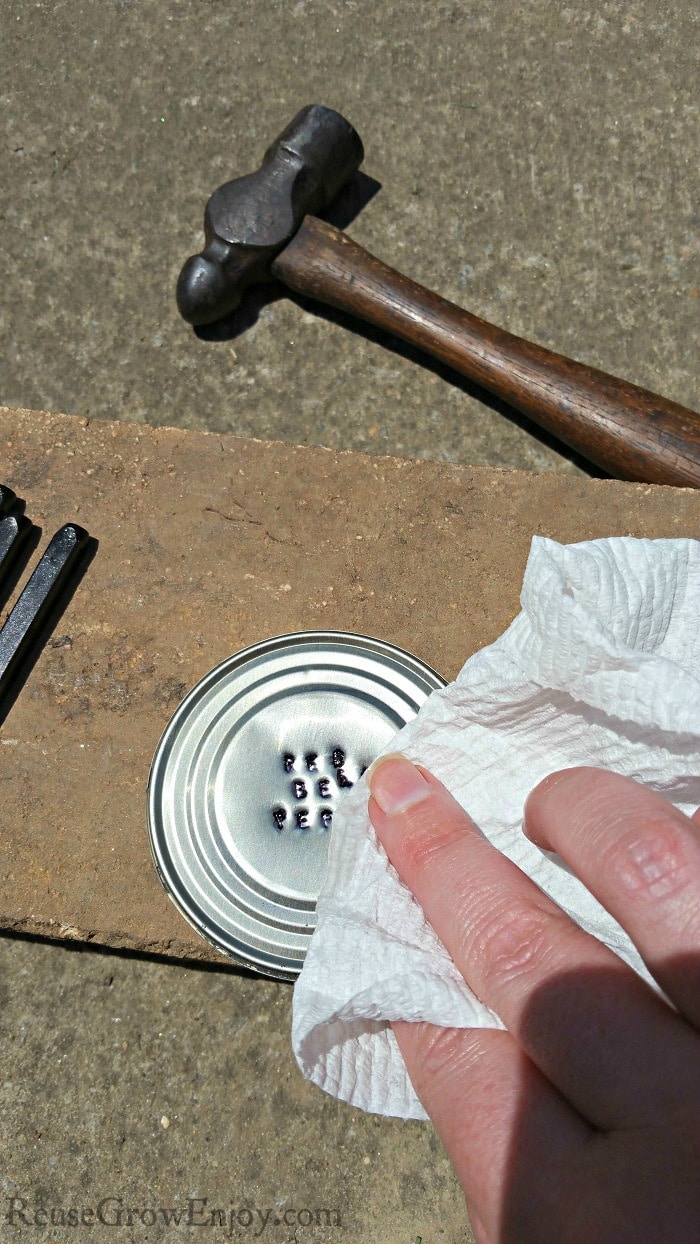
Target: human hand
<point>581,1121</point>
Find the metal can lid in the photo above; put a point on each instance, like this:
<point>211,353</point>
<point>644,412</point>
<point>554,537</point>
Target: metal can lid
<point>248,775</point>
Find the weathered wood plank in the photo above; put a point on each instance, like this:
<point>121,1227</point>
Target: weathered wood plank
<point>210,543</point>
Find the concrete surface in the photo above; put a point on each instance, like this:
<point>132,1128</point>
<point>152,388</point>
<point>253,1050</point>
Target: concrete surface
<point>539,164</point>
<point>134,1085</point>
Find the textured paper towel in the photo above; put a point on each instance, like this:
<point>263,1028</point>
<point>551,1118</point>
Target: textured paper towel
<point>601,667</point>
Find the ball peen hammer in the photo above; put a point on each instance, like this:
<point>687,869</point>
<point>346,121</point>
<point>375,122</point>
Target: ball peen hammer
<point>259,227</point>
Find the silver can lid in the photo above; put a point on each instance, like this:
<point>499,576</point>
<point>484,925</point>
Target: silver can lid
<point>248,775</point>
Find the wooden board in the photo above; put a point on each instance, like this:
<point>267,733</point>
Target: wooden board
<point>210,543</point>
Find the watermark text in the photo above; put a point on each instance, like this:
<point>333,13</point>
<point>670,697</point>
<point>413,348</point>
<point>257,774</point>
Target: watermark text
<point>113,1211</point>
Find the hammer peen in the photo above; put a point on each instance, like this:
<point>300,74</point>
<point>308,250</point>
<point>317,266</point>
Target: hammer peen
<point>259,228</point>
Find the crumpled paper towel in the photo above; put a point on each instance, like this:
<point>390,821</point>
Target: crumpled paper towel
<point>602,667</point>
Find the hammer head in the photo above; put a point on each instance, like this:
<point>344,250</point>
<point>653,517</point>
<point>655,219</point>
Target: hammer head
<point>249,221</point>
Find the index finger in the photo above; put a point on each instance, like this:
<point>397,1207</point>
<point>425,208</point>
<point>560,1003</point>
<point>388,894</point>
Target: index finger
<point>550,982</point>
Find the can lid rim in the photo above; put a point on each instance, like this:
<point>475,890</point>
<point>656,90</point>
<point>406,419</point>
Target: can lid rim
<point>179,894</point>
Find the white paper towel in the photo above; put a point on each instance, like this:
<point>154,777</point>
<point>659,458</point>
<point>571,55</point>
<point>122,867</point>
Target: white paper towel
<point>602,667</point>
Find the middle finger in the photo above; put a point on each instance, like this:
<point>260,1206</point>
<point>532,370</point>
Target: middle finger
<point>591,1025</point>
<point>640,857</point>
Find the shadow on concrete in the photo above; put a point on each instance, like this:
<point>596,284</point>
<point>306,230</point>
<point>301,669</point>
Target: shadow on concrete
<point>143,956</point>
<point>346,207</point>
<point>401,348</point>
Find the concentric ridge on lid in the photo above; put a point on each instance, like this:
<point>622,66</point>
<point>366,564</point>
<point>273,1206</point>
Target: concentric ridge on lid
<point>248,776</point>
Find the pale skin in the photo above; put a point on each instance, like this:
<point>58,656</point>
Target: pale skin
<point>579,1124</point>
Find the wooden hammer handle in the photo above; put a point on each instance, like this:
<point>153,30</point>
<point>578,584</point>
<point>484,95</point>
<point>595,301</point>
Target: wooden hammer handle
<point>630,432</point>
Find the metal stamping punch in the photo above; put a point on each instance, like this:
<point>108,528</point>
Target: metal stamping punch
<point>23,626</point>
<point>14,532</point>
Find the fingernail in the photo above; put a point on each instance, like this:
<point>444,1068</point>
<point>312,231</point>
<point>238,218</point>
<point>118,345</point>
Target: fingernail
<point>542,789</point>
<point>530,827</point>
<point>396,784</point>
